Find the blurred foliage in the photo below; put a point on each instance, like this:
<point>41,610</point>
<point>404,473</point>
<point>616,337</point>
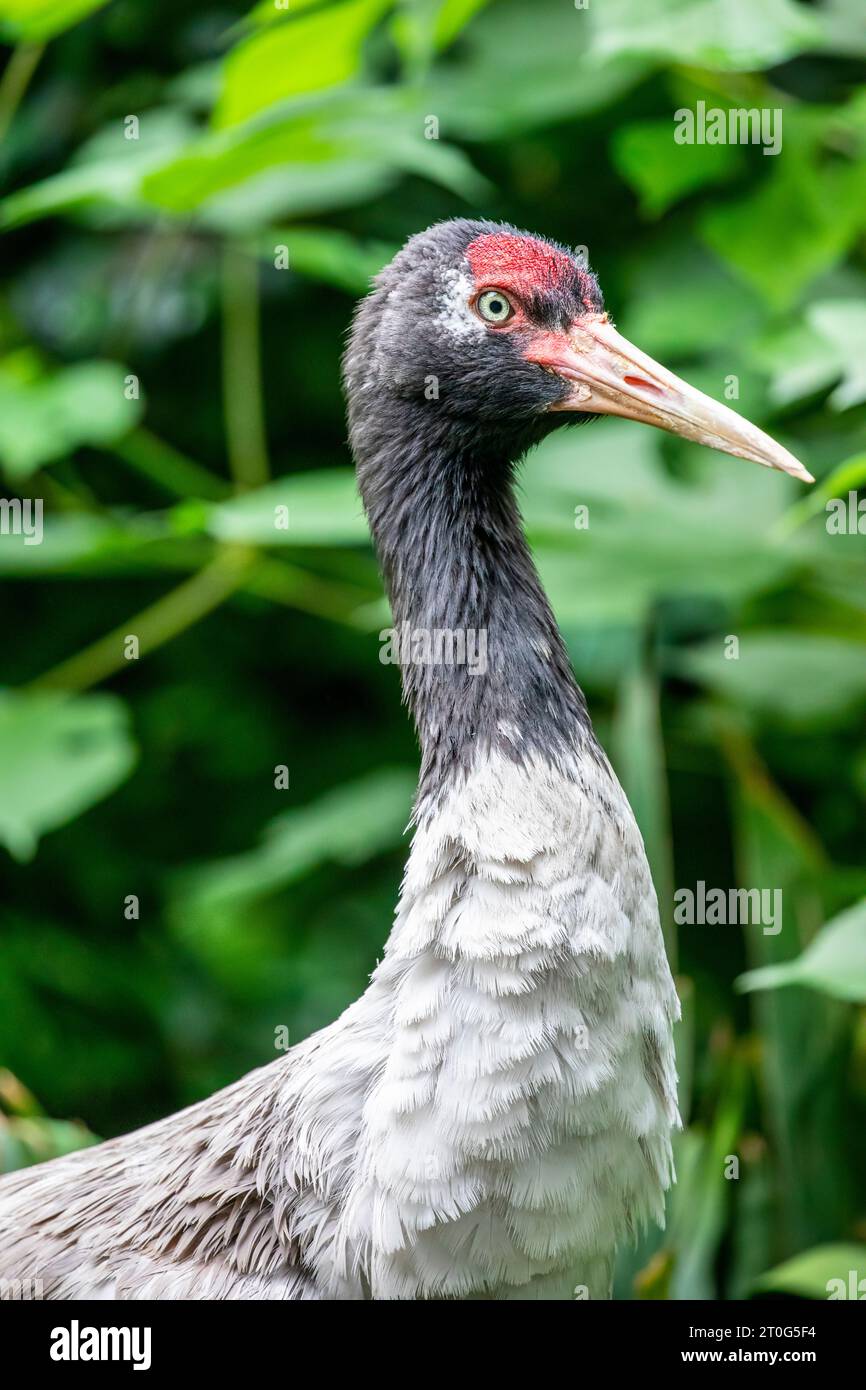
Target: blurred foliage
<point>192,194</point>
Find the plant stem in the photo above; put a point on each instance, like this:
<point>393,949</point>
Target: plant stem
<point>153,626</point>
<point>287,584</point>
<point>243,407</point>
<point>15,81</point>
<point>168,467</point>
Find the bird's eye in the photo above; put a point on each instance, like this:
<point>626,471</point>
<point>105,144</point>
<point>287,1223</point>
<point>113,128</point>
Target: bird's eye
<point>494,306</point>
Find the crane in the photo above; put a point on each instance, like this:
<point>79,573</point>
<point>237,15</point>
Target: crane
<point>493,1116</point>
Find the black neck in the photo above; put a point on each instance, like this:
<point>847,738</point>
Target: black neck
<point>482,661</point>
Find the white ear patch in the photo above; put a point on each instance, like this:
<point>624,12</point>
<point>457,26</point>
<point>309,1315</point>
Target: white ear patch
<point>455,315</point>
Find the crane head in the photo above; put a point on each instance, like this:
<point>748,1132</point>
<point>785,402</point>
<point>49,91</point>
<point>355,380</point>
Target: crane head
<point>508,331</point>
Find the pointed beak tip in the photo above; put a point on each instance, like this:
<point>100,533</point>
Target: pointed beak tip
<point>613,377</point>
<point>793,467</point>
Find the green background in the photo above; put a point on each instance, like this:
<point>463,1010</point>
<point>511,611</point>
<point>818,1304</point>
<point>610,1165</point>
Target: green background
<point>166,381</point>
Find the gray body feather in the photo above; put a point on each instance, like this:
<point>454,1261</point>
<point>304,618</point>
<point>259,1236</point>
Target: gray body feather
<point>489,1119</point>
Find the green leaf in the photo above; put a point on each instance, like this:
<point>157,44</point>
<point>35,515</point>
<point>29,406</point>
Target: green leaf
<point>75,542</point>
<point>662,173</point>
<point>48,417</point>
<point>425,27</point>
<point>104,177</point>
<point>552,73</point>
<point>722,35</point>
<point>309,139</point>
<point>307,53</point>
<point>301,190</point>
<point>337,258</point>
<point>58,756</point>
<point>834,961</point>
<point>797,677</point>
<point>828,1271</point>
<point>452,16</point>
<point>842,27</point>
<point>842,324</point>
<point>687,303</point>
<point>36,21</point>
<point>830,346</point>
<point>744,233</point>
<point>800,362</point>
<point>320,508</point>
<point>811,196</point>
<point>649,536</point>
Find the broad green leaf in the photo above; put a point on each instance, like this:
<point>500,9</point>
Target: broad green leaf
<point>544,48</point>
<point>842,29</point>
<point>828,1271</point>
<point>746,233</point>
<point>842,324</point>
<point>77,542</point>
<point>308,52</point>
<point>329,255</point>
<point>685,303</point>
<point>320,508</point>
<point>834,961</point>
<point>382,128</point>
<point>807,205</point>
<point>104,177</point>
<point>302,190</point>
<point>649,537</point>
<point>800,362</point>
<point>452,16</point>
<point>421,28</point>
<point>661,172</point>
<point>722,35</point>
<point>48,417</point>
<point>58,756</point>
<point>36,21</point>
<point>798,677</point>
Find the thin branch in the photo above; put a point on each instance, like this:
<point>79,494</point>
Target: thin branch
<point>243,407</point>
<point>153,626</point>
<point>168,467</point>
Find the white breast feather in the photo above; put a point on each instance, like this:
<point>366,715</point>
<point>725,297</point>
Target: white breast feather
<point>490,1119</point>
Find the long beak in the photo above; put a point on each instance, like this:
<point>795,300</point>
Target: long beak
<point>613,377</point>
